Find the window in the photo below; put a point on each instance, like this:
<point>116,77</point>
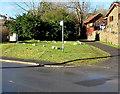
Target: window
<point>97,23</point>
<point>111,18</point>
<point>119,16</point>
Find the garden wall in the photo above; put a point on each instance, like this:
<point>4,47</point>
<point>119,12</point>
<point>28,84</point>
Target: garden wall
<point>110,37</point>
<point>91,37</point>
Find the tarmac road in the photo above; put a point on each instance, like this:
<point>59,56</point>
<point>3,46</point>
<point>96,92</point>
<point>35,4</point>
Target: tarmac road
<point>40,79</point>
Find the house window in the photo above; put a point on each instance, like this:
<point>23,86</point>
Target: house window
<point>119,16</point>
<point>111,18</point>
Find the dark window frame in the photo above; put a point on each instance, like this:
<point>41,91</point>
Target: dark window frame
<point>118,16</point>
<point>111,18</point>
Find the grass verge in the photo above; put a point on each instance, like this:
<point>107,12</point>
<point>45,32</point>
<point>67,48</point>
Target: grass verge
<point>74,54</point>
<point>116,46</point>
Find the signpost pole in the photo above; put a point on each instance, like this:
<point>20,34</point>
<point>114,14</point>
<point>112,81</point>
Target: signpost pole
<point>62,24</point>
<point>63,38</point>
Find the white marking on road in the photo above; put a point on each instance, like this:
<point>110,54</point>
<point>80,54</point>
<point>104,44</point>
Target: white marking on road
<point>20,62</point>
<point>11,81</point>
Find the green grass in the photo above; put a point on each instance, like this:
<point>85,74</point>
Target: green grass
<point>38,52</point>
<point>116,46</point>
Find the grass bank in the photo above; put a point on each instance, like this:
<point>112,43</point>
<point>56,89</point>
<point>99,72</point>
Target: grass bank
<point>116,46</point>
<point>74,54</point>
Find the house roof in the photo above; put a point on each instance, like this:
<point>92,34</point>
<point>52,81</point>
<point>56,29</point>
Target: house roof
<point>92,18</point>
<point>112,7</point>
<point>6,17</point>
<point>2,15</point>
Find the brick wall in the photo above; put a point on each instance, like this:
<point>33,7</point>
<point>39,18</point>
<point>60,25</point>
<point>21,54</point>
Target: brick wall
<point>110,37</point>
<point>119,20</point>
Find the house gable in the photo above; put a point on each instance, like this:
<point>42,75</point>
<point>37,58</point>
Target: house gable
<point>113,23</point>
<point>112,7</point>
<point>93,18</point>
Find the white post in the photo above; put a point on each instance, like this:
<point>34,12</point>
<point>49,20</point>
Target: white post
<point>61,24</point>
<point>63,38</point>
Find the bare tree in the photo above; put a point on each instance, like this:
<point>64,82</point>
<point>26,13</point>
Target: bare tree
<point>81,9</point>
<point>39,7</point>
<point>100,9</point>
<point>31,7</point>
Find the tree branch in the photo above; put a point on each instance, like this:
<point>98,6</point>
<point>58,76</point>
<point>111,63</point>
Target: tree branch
<point>21,7</point>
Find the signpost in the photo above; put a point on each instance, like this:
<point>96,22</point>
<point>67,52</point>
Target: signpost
<point>62,24</point>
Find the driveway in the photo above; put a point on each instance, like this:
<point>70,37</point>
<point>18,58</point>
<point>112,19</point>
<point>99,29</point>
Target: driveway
<point>112,63</point>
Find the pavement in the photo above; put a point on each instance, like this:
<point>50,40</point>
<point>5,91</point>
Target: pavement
<point>35,62</point>
<point>111,63</point>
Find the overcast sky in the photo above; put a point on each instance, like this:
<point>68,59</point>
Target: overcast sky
<point>11,9</point>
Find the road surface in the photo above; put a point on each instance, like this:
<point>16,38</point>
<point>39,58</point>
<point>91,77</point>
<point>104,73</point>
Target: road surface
<point>40,79</point>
